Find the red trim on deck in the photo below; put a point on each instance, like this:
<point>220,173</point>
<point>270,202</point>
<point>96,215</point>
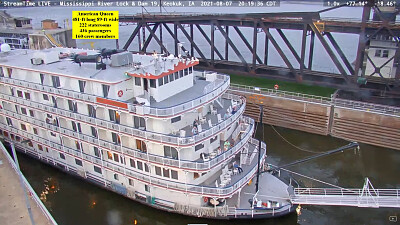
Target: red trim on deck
<point>111,102</point>
<point>178,67</point>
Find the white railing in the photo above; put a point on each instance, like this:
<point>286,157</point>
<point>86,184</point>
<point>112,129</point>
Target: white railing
<point>156,181</point>
<point>184,164</point>
<point>32,192</point>
<point>127,130</point>
<point>278,93</point>
<point>337,102</point>
<point>368,107</point>
<point>347,197</point>
<point>133,108</point>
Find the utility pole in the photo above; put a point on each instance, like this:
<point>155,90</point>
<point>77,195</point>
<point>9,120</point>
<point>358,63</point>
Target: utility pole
<point>258,99</point>
<point>27,202</point>
<point>259,144</point>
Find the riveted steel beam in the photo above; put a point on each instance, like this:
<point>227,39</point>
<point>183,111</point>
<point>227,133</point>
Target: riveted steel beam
<point>133,35</point>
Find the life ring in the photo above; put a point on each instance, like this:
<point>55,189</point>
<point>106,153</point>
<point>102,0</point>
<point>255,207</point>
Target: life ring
<point>120,93</point>
<point>205,199</point>
<point>276,87</point>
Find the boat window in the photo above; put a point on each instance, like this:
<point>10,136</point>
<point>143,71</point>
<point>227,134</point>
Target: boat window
<point>115,176</point>
<point>146,167</point>
<point>109,155</point>
<point>170,152</point>
<point>73,106</point>
<point>166,172</point>
<point>19,94</point>
<point>9,70</point>
<point>141,145</point>
<point>176,74</point>
<point>106,90</point>
<point>92,111</point>
<point>62,156</point>
<point>94,132</point>
<point>152,83</point>
<point>116,158</point>
<point>171,77</point>
<point>96,151</point>
<point>56,81</point>
<point>23,111</point>
<point>138,81</point>
<point>97,169</point>
<point>160,81</point>
<point>82,85</point>
<point>78,162</point>
<point>139,165</point>
<point>9,121</point>
<point>176,119</point>
<point>116,138</point>
<point>41,78</point>
<point>158,170</point>
<point>27,95</point>
<point>190,70</point>
<point>174,174</point>
<point>78,145</point>
<point>146,188</point>
<point>54,101</point>
<point>45,97</point>
<point>166,80</point>
<point>1,72</point>
<point>23,127</point>
<point>130,182</point>
<point>198,147</point>
<point>31,113</point>
<point>114,116</point>
<point>181,73</point>
<point>133,164</point>
<point>213,139</point>
<point>35,131</point>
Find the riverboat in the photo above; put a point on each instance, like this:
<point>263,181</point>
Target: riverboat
<point>148,127</point>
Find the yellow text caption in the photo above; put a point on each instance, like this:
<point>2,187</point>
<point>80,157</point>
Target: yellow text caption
<point>95,24</point>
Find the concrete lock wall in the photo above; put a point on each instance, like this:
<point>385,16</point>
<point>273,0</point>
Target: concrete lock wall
<point>326,118</point>
<point>366,127</point>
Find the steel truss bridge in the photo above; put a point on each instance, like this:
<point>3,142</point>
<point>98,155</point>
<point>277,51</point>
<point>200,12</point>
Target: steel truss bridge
<point>182,28</point>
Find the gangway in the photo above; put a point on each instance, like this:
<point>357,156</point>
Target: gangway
<point>368,196</point>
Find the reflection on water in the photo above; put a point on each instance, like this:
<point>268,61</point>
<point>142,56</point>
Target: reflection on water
<point>73,201</point>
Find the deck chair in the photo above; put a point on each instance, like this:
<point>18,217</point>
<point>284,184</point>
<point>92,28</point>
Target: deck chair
<point>213,110</point>
<point>209,123</point>
<point>199,129</point>
<point>219,118</point>
<point>201,118</point>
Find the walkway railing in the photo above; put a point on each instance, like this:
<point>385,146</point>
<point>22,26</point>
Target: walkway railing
<point>369,107</point>
<point>337,102</point>
<point>32,192</point>
<point>347,197</point>
<point>278,93</point>
<point>133,108</point>
<point>128,130</point>
<point>156,181</point>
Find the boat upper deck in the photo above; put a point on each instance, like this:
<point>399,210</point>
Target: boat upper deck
<point>61,63</point>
